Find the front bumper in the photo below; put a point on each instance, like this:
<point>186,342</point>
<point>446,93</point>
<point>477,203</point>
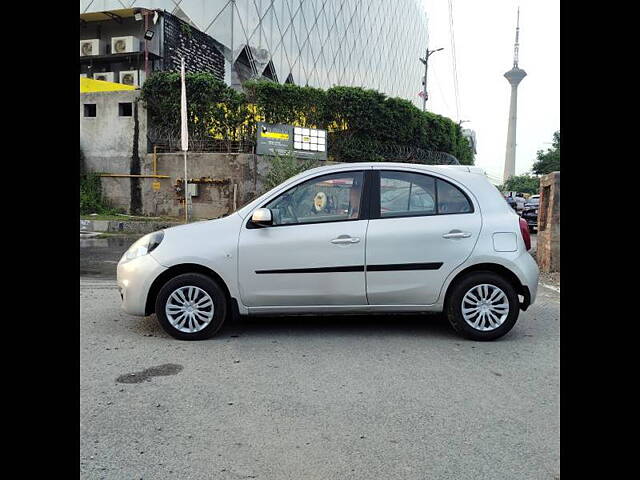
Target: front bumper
<point>134,281</point>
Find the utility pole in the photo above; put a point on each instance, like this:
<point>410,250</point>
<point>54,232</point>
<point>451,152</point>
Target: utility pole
<point>425,60</point>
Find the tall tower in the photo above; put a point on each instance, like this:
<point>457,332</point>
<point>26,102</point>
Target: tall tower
<point>514,77</point>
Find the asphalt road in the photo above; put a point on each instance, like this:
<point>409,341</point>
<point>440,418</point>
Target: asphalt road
<point>364,397</point>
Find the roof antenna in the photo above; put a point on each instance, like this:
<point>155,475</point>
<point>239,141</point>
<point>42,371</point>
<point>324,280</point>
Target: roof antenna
<point>517,45</point>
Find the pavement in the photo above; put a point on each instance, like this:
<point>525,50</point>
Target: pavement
<point>359,397</point>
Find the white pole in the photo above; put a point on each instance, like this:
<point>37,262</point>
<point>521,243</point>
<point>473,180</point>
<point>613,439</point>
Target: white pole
<point>184,139</point>
<point>186,191</point>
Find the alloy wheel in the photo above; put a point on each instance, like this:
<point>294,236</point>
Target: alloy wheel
<point>189,309</point>
<point>485,307</point>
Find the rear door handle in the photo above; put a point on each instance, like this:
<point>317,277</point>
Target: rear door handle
<point>456,234</point>
<point>345,240</point>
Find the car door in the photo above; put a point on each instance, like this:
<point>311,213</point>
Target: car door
<point>313,254</point>
<point>421,228</point>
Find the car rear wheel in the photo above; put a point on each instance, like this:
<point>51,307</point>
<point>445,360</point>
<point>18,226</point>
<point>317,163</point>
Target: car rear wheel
<point>483,306</point>
<point>191,306</point>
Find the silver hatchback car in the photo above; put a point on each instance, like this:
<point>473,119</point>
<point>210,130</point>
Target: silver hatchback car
<point>348,238</point>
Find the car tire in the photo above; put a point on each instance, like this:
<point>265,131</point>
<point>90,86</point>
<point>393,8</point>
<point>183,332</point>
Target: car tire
<point>472,284</point>
<point>191,306</point>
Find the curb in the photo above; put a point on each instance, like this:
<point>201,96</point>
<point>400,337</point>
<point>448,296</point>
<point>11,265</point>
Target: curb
<point>116,226</point>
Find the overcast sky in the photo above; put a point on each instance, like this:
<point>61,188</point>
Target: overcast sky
<point>484,34</point>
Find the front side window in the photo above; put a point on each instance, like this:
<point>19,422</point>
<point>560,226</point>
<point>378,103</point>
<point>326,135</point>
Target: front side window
<point>328,198</point>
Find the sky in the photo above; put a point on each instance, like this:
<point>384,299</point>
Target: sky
<point>484,33</point>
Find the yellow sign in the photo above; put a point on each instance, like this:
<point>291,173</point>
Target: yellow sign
<point>155,186</point>
<point>306,139</point>
<point>281,136</point>
<point>88,85</point>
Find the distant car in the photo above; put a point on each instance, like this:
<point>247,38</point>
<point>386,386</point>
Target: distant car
<point>515,201</point>
<point>348,238</point>
<point>530,212</point>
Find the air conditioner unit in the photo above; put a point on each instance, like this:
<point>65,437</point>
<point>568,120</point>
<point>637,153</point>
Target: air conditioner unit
<point>89,48</point>
<point>104,76</point>
<point>132,77</point>
<point>124,44</point>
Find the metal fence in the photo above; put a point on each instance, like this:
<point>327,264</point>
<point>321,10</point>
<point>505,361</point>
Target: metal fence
<point>340,149</point>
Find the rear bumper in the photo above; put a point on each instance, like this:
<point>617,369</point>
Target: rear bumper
<point>528,273</point>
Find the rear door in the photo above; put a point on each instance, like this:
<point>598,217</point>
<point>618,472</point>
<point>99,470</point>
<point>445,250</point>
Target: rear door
<point>422,227</point>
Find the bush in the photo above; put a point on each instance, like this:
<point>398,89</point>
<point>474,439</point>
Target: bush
<point>284,167</point>
<point>522,183</point>
<point>91,200</point>
<point>368,117</point>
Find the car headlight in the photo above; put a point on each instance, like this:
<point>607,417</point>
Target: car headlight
<point>143,246</point>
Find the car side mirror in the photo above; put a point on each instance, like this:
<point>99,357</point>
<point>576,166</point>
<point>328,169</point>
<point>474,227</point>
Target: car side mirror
<point>262,217</point>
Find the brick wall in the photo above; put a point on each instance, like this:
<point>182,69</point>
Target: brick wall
<point>201,52</point>
<point>548,246</point>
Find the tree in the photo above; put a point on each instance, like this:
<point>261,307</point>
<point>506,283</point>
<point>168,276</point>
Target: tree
<point>522,183</point>
<point>548,161</point>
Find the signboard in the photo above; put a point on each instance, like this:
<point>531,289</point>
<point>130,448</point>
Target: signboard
<point>155,186</point>
<point>309,143</point>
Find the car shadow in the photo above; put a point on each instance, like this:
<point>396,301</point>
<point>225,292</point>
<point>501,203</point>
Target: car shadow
<point>372,325</point>
<point>430,326</point>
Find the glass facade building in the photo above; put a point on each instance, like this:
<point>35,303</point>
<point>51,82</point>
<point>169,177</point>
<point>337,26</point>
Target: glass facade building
<point>321,43</point>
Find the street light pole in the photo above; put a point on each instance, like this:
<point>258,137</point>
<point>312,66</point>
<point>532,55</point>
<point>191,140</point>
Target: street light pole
<point>425,60</point>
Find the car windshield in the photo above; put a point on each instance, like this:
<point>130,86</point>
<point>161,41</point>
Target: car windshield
<point>534,201</point>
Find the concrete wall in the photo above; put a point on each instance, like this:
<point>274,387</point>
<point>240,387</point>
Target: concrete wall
<point>115,144</point>
<point>108,143</point>
<point>215,199</point>
<point>107,139</point>
<point>548,248</point>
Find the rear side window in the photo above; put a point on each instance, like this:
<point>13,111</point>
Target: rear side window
<point>405,194</point>
<point>451,199</point>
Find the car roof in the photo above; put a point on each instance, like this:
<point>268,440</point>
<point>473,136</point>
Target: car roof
<point>448,170</point>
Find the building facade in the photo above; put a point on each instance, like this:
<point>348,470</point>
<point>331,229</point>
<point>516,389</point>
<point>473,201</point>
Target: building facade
<point>113,46</point>
<point>321,43</point>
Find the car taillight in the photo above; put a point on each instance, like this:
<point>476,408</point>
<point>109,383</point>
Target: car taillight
<point>526,236</point>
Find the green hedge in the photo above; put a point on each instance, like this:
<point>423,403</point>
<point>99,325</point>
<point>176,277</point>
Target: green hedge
<point>352,115</point>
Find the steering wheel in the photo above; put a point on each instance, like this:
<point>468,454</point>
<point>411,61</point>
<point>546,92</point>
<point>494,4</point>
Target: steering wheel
<point>290,210</point>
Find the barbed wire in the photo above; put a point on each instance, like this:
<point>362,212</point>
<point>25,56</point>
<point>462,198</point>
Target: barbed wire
<point>350,149</point>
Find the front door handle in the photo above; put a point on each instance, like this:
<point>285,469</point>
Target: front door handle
<point>456,234</point>
<point>345,240</point>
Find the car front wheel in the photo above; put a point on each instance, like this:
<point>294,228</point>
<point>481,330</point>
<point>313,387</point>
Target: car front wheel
<point>483,306</point>
<point>191,306</point>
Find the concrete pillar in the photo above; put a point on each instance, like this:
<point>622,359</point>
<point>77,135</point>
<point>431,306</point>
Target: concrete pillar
<point>548,248</point>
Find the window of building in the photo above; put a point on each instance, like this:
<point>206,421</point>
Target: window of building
<point>89,109</point>
<point>125,109</point>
